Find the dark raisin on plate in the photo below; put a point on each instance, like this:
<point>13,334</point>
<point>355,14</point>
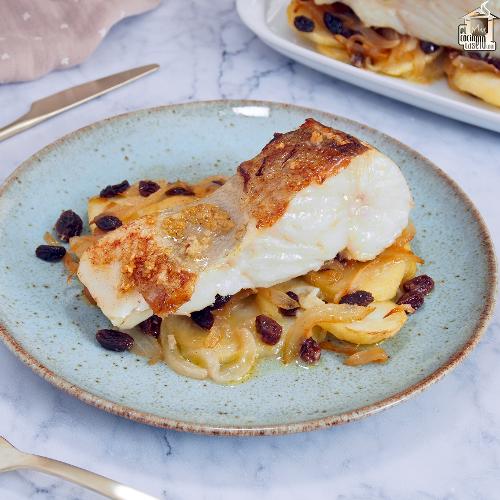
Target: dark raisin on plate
<point>179,191</point>
<point>269,330</point>
<point>333,23</point>
<point>495,61</point>
<point>147,188</point>
<point>107,222</point>
<point>114,340</point>
<point>68,224</point>
<point>293,311</point>
<point>357,298</point>
<point>304,24</point>
<point>220,301</point>
<point>414,299</point>
<point>310,351</point>
<point>113,190</point>
<point>422,284</point>
<point>151,326</point>
<point>428,47</point>
<point>50,253</point>
<point>204,318</point>
<point>336,26</point>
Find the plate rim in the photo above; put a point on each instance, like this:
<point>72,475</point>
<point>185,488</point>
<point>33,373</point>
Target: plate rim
<point>385,85</point>
<point>275,429</point>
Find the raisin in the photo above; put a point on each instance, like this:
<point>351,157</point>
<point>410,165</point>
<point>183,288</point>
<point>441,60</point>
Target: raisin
<point>495,61</point>
<point>110,191</point>
<point>179,191</point>
<point>147,188</point>
<point>151,326</point>
<point>50,253</point>
<point>204,318</point>
<point>414,299</point>
<point>358,298</point>
<point>290,312</point>
<point>335,25</point>
<point>310,351</point>
<point>420,284</point>
<point>114,340</point>
<point>428,47</point>
<point>68,225</point>
<point>220,301</point>
<point>475,55</point>
<point>108,222</point>
<point>340,257</point>
<point>269,330</point>
<point>303,23</point>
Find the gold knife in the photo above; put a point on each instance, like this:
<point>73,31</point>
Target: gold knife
<point>57,103</point>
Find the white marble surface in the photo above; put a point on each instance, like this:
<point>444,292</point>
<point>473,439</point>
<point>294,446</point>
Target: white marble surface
<point>442,444</point>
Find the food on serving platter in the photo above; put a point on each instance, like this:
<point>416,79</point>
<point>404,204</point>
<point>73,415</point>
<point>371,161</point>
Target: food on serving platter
<point>475,74</point>
<point>305,248</point>
<point>414,40</point>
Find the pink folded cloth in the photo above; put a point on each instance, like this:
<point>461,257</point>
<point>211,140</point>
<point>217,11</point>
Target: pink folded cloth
<point>37,36</point>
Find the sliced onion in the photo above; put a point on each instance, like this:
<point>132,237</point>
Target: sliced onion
<point>70,265</point>
<point>372,355</point>
<point>332,265</point>
<point>50,240</point>
<point>146,346</point>
<point>236,371</point>
<point>78,244</point>
<point>473,64</point>
<point>406,236</point>
<point>219,329</point>
<point>88,296</point>
<point>379,41</point>
<point>330,345</point>
<point>278,298</point>
<point>400,308</point>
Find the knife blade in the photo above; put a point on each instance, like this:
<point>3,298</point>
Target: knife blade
<point>66,99</point>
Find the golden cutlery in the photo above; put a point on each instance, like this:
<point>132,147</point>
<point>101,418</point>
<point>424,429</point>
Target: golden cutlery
<point>11,459</point>
<point>57,103</point>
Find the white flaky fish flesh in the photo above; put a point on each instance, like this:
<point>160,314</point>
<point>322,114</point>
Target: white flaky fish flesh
<point>308,195</point>
<point>430,20</point>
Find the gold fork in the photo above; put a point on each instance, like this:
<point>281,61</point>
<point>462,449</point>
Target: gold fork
<point>11,459</point>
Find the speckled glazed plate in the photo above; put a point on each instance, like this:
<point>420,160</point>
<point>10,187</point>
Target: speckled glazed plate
<point>48,325</point>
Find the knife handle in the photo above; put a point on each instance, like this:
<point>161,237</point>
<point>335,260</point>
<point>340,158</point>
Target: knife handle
<point>85,478</point>
<point>66,99</point>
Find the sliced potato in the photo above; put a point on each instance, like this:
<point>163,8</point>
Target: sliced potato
<point>482,84</point>
<point>381,279</point>
<point>335,283</point>
<point>381,276</point>
<point>302,328</point>
<point>378,325</point>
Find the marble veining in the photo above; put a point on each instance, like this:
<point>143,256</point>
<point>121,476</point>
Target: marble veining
<point>442,444</point>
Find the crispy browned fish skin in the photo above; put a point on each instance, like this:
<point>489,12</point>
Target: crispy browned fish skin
<point>291,162</point>
<point>166,274</point>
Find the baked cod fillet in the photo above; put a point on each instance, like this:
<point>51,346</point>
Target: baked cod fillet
<point>308,195</point>
<point>431,20</point>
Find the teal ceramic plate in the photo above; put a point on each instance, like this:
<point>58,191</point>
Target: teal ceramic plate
<point>48,325</point>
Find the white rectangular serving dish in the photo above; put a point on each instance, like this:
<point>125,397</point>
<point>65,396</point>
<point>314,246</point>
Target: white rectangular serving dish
<point>267,19</point>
